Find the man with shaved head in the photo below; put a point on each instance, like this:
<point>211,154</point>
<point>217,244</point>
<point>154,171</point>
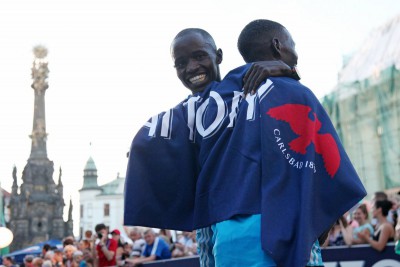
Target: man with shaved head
<point>245,172</point>
<point>196,60</point>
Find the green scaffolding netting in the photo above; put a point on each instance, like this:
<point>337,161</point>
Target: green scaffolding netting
<point>366,115</point>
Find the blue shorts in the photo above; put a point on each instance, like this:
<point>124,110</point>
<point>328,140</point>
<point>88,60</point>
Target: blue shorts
<point>237,242</point>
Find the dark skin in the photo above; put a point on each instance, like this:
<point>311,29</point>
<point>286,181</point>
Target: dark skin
<point>274,62</point>
<point>261,70</point>
<point>282,49</point>
<point>197,62</point>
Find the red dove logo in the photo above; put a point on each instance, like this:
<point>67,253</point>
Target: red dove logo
<point>298,118</point>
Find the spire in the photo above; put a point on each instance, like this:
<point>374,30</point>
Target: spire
<point>59,178</point>
<point>39,75</point>
<point>60,185</point>
<point>90,175</point>
<point>14,185</point>
<point>70,209</point>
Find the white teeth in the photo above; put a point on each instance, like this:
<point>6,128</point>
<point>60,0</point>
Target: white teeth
<point>198,78</point>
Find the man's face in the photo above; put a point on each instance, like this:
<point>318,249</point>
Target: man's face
<point>149,238</point>
<point>134,236</point>
<point>196,61</point>
<point>68,253</point>
<point>58,256</point>
<point>288,51</point>
<point>6,262</point>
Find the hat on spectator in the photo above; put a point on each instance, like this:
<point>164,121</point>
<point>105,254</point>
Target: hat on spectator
<point>116,232</point>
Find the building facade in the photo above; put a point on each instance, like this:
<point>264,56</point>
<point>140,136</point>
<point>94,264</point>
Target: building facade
<point>100,204</point>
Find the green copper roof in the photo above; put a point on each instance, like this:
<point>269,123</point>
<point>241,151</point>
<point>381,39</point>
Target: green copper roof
<point>115,187</point>
<point>90,176</point>
<point>90,164</point>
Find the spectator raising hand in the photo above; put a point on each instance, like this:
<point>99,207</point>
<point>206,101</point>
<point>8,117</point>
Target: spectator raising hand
<point>350,233</point>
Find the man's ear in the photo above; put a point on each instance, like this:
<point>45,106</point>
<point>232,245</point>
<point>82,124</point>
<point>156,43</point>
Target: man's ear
<point>219,56</point>
<point>276,47</point>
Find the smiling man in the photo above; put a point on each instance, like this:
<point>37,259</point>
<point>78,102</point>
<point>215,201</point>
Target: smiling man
<point>196,59</point>
<point>208,161</point>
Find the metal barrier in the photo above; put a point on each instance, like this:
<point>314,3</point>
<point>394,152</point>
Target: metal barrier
<point>192,261</point>
<point>340,256</point>
<point>360,256</point>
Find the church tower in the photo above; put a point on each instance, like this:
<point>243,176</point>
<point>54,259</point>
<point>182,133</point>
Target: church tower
<point>37,209</point>
<point>87,198</point>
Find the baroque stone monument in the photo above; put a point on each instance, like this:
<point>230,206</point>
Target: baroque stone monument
<point>37,207</point>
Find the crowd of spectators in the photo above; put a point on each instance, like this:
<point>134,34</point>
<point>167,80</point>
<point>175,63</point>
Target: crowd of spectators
<point>356,226</point>
<point>101,248</point>
<point>375,223</point>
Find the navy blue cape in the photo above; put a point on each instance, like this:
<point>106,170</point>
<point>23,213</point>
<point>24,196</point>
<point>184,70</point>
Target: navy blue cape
<point>217,155</point>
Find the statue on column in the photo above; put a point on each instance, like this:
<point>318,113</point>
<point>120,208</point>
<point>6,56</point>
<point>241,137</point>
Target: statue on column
<point>40,70</point>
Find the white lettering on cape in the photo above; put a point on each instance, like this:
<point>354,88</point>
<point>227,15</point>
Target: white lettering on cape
<point>290,158</point>
<point>152,125</point>
<point>221,113</point>
<point>166,124</point>
<point>196,114</point>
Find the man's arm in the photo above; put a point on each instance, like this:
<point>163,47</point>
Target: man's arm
<point>261,70</point>
<point>94,253</point>
<point>110,251</point>
<point>140,260</point>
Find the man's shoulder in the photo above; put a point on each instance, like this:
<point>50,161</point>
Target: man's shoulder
<point>237,72</point>
<point>291,86</point>
<point>161,240</point>
<point>233,80</point>
<point>161,243</point>
<point>290,83</point>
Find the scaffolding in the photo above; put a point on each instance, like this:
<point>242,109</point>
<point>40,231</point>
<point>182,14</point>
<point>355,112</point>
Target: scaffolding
<point>366,115</point>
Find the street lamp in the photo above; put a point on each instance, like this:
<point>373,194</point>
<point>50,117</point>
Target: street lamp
<point>6,237</point>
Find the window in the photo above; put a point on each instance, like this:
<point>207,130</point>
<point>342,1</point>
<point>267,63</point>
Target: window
<point>106,209</point>
<point>89,210</point>
<point>81,212</point>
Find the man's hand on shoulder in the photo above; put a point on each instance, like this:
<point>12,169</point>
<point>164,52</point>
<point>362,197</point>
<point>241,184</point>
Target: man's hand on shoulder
<point>261,70</point>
